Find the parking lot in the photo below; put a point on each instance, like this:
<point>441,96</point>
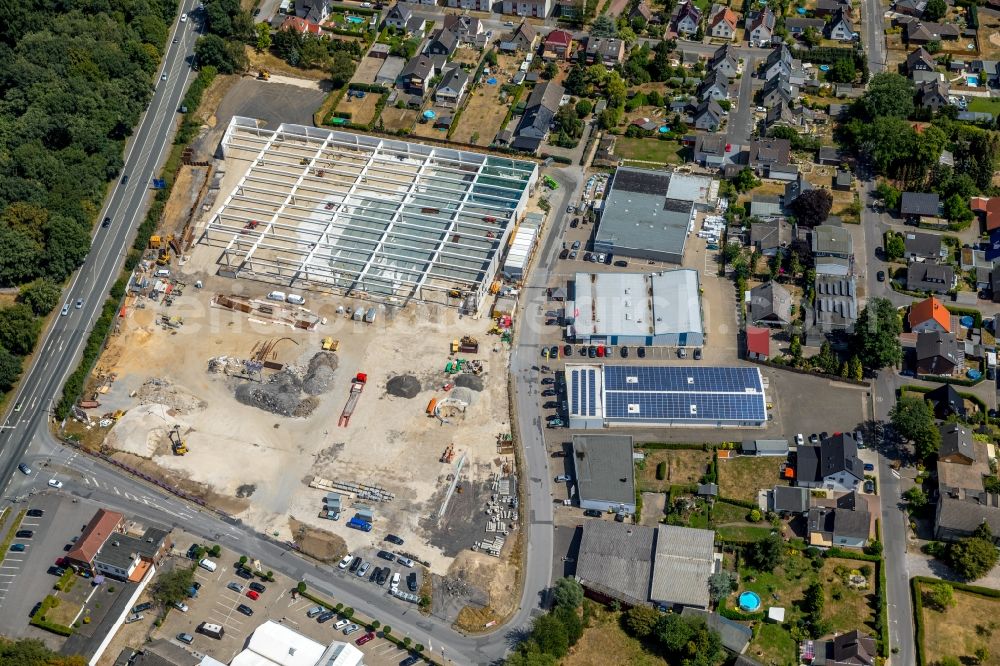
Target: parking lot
<point>24,577</point>
<point>217,603</point>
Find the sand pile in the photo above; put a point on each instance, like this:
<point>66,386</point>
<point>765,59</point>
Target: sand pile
<point>474,382</point>
<point>142,429</point>
<point>403,386</point>
<point>162,392</point>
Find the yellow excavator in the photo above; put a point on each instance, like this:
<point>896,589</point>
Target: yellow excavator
<point>176,443</point>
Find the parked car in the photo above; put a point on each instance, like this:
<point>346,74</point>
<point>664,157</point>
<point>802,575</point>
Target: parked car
<point>344,563</point>
<point>144,606</point>
<point>363,569</point>
<point>575,245</point>
<point>55,483</point>
<point>592,351</point>
<point>624,352</point>
<point>410,661</point>
<point>621,263</point>
<point>869,467</point>
<point>386,555</point>
<point>567,350</point>
<point>36,513</point>
<point>869,486</point>
<point>404,561</point>
<point>572,255</point>
<point>325,616</point>
<point>243,573</point>
<point>814,438</point>
<point>253,594</point>
<point>880,276</point>
<point>592,513</point>
<point>181,606</point>
<point>187,639</point>
<point>548,381</point>
<point>799,439</point>
<point>411,581</point>
<point>355,564</point>
<point>682,353</point>
<point>24,534</point>
<point>555,423</point>
<point>236,587</point>
<point>553,352</point>
<point>697,354</point>
<point>564,254</point>
<point>246,610</point>
<point>562,477</point>
<point>24,469</point>
<point>341,624</point>
<point>364,639</point>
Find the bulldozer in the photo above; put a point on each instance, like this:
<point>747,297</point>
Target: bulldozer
<point>263,74</point>
<point>330,345</point>
<point>176,443</point>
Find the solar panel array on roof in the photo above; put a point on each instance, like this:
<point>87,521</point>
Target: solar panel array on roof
<point>584,395</point>
<point>642,181</point>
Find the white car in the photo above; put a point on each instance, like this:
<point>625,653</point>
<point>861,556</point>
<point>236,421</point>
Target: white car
<point>366,4</point>
<point>341,624</point>
<point>181,606</point>
<point>799,439</point>
<point>346,561</point>
<point>184,18</point>
<point>55,483</point>
<point>395,581</point>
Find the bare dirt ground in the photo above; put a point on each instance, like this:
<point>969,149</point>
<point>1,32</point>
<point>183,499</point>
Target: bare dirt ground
<point>362,110</point>
<point>367,70</point>
<point>320,544</point>
<point>396,119</point>
<point>484,111</point>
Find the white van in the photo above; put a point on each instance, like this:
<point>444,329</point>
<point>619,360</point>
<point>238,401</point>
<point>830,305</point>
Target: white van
<point>162,273</point>
<point>276,296</point>
<point>208,565</point>
<point>212,630</point>
<point>295,299</point>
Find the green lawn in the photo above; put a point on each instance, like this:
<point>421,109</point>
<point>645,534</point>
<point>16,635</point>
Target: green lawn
<point>984,105</point>
<point>648,150</point>
<point>773,645</point>
<point>744,533</point>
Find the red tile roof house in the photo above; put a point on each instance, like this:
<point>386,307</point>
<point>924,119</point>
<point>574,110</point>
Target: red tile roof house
<point>98,530</point>
<point>301,25</point>
<point>556,45</point>
<point>990,209</point>
<point>928,316</point>
<point>758,343</point>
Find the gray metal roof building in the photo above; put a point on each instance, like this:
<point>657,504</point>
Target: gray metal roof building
<point>647,213</point>
<point>368,216</point>
<point>636,309</point>
<point>684,560</point>
<point>616,560</point>
<point>605,472</point>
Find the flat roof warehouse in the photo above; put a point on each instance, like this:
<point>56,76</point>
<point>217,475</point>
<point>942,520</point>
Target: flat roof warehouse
<point>379,218</point>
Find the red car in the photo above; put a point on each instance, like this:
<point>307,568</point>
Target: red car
<point>364,639</point>
<point>253,595</point>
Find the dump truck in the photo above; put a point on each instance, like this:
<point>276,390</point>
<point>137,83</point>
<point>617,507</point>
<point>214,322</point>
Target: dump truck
<point>330,345</point>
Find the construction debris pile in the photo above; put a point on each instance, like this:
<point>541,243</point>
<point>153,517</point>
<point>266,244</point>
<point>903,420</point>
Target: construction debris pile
<point>319,373</point>
<point>492,546</point>
<point>157,391</point>
<point>403,386</point>
<point>281,394</point>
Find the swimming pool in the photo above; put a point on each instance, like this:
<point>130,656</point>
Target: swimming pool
<point>749,601</point>
<point>972,80</point>
<point>355,19</point>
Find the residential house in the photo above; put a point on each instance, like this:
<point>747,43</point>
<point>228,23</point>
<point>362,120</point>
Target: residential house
<point>989,211</point>
<point>468,29</point>
<point>987,70</point>
<point>715,150</point>
<point>938,354</point>
<point>766,153</point>
<point>850,649</point>
<point>838,527</point>
<point>843,181</point>
<point>724,61</point>
<point>918,205</point>
<point>685,19</point>
<point>961,515</point>
<point>314,11</point>
<point>716,86</point>
<point>836,306</point>
<point>779,61</point>
<point>788,501</point>
<point>388,73</point>
<point>557,45</point>
<point>708,115</point>
<point>537,8</point>
<point>770,305</point>
<point>772,448</point>
<point>765,207</point>
<point>779,90</point>
<point>919,60</point>
<point>770,236</point>
<point>798,26</point>
<point>129,558</point>
<point>607,50</point>
<point>929,316</point>
<point>833,250</point>
<point>443,43</point>
<point>101,527</point>
<point>723,23</point>
<point>920,246</point>
<point>919,32</point>
<point>793,189</point>
<point>522,39</point>
<point>933,95</point>
<point>781,114</point>
<point>957,445</point>
<point>831,7</point>
<point>449,93</point>
<point>829,156</point>
<point>758,343</point>
<point>946,402</point>
<point>642,10</point>
<point>840,28</point>
<point>541,108</point>
<point>760,27</point>
<point>398,16</point>
<point>930,277</point>
<point>914,8</point>
<point>417,74</point>
<point>832,464</point>
<point>301,26</point>
<point>473,5</point>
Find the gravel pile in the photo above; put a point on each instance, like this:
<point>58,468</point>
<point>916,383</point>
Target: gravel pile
<point>403,386</point>
<point>319,374</point>
<point>281,394</point>
<point>473,382</point>
<point>463,395</point>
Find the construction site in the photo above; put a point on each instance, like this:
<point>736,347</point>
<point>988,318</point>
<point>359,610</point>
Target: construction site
<point>317,408</point>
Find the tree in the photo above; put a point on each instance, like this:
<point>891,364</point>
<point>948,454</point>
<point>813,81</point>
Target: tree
<point>263,36</point>
<point>935,10</point>
<point>567,592</point>
<point>212,51</point>
<point>301,587</point>
<point>215,550</point>
<point>550,635</point>
<point>913,418</point>
<point>826,360</point>
<point>812,37</point>
<point>641,620</point>
<point>890,198</point>
<point>603,26</point>
<point>795,347</point>
<point>889,95</point>
<point>688,641</point>
<point>615,89</point>
<point>843,71</point>
<point>916,498</point>
<point>610,117</point>
<point>855,370</point>
<point>550,71</point>
<point>583,108</point>
<point>766,555</point>
<point>956,209</point>
<point>812,606</point>
<point>939,596</point>
<point>720,585</point>
<point>577,82</point>
<point>10,369</point>
<point>571,622</point>
<point>341,69</point>
<point>895,246</point>
<point>949,661</point>
<point>876,334</point>
<point>172,586</point>
<point>975,556</point>
<point>745,180</point>
<point>19,328</point>
<point>40,295</point>
<point>32,652</point>
<point>812,207</point>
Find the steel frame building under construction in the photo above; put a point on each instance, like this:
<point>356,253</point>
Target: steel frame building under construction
<point>369,217</point>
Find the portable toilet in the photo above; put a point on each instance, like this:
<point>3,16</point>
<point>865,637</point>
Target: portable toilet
<point>358,315</point>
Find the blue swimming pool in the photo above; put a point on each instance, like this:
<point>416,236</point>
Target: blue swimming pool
<point>749,601</point>
<point>355,19</point>
<point>972,80</point>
